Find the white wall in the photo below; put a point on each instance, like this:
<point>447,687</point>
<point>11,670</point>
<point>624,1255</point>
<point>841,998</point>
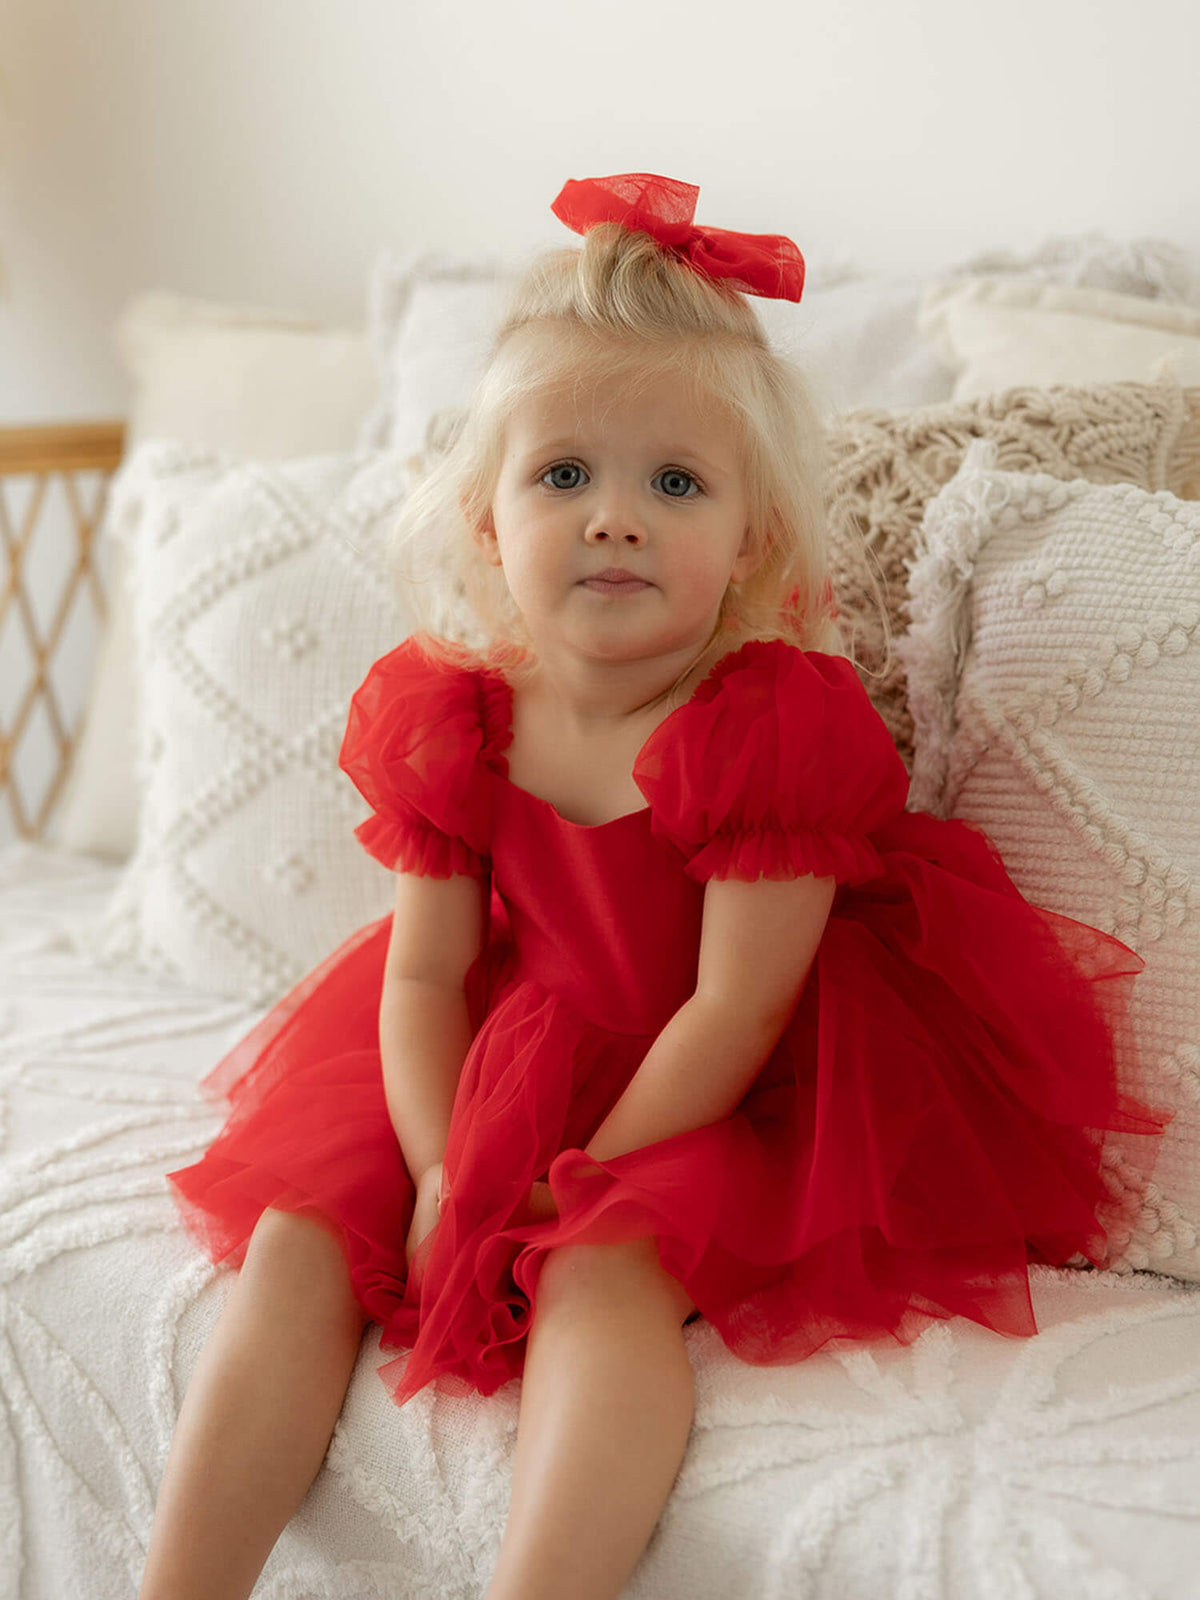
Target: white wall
<point>262,151</point>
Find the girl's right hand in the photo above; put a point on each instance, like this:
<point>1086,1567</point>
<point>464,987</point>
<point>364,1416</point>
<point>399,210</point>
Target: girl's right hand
<point>426,1210</point>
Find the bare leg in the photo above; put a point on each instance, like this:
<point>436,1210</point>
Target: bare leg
<point>258,1414</point>
<point>607,1400</point>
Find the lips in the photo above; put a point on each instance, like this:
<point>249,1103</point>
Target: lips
<point>624,583</point>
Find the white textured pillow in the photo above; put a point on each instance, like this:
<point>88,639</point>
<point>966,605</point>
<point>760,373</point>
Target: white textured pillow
<point>432,316</point>
<point>1054,678</point>
<point>258,384</point>
<point>260,600</point>
<point>1001,333</point>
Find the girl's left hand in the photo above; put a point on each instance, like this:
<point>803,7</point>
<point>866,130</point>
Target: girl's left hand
<point>539,1205</point>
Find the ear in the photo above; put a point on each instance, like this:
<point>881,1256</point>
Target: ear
<point>484,535</point>
<point>746,561</point>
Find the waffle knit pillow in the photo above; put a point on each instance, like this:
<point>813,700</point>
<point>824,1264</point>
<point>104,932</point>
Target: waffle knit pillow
<point>885,467</point>
<point>260,599</point>
<point>1054,677</point>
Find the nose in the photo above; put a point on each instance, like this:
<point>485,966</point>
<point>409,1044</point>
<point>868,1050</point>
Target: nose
<point>615,527</point>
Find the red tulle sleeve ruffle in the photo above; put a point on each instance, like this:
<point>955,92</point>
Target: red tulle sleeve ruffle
<point>778,766</point>
<point>414,736</point>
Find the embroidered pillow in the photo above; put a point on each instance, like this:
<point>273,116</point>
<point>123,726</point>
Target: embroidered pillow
<point>260,600</point>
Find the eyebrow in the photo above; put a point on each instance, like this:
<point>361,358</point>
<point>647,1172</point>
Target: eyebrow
<point>682,454</point>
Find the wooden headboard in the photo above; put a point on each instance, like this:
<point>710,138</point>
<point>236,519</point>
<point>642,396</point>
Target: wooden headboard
<point>83,455</point>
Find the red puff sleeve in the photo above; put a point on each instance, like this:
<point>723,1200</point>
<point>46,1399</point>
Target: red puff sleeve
<point>778,766</point>
<point>412,746</point>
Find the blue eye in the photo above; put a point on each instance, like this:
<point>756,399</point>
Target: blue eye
<point>675,474</point>
<point>562,466</point>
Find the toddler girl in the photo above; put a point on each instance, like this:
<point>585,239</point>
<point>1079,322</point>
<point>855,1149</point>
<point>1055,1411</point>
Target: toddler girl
<point>679,1013</point>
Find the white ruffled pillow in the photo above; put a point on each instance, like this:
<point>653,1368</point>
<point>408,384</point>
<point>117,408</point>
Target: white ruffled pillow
<point>260,599</point>
<point>1054,678</point>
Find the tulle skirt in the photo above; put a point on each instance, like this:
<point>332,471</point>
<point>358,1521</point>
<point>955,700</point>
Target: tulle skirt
<point>955,1096</point>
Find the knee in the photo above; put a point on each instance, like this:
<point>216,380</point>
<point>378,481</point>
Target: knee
<point>301,1261</point>
<point>579,1269</point>
<point>283,1234</point>
<point>610,1274</point>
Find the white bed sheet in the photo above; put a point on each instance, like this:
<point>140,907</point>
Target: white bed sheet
<point>965,1467</point>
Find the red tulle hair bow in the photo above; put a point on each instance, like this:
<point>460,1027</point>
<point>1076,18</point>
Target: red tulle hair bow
<point>765,264</point>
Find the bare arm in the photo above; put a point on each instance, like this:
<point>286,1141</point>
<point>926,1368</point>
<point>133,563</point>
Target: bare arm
<point>425,1031</point>
<point>694,1073</point>
<point>757,945</point>
<point>424,1036</point>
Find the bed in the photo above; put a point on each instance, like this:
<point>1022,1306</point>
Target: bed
<point>967,1466</point>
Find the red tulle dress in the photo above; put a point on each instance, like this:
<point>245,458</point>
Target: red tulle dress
<point>932,1117</point>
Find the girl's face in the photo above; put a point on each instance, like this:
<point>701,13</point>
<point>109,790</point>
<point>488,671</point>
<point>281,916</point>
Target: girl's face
<point>593,477</point>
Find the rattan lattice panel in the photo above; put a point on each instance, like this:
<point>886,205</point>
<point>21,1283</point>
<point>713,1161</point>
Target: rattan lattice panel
<point>53,486</point>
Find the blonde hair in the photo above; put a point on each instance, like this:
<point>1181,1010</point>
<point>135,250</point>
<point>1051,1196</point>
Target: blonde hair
<point>625,308</point>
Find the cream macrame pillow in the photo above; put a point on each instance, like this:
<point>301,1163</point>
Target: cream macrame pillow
<point>1054,675</point>
<point>886,466</point>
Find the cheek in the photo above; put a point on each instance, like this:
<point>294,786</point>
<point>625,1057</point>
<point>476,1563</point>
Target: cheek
<point>539,546</point>
<point>532,569</point>
<point>700,569</point>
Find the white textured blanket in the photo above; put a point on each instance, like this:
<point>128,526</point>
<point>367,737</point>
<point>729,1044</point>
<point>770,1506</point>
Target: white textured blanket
<point>965,1467</point>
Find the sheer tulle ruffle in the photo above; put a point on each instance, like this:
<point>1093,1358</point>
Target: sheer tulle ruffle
<point>402,840</point>
<point>782,851</point>
<point>416,746</point>
<point>538,1076</point>
<point>308,1128</point>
